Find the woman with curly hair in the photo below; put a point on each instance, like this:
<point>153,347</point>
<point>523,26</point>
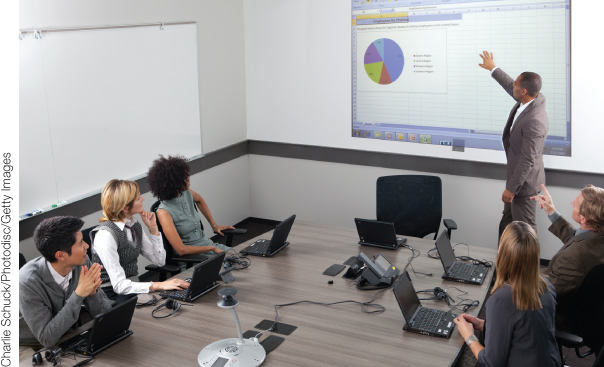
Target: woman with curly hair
<point>180,207</point>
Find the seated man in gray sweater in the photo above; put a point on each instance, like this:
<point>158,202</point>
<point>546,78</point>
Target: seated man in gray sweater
<point>55,285</point>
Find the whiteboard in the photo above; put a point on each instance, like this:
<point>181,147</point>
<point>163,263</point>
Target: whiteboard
<point>102,104</point>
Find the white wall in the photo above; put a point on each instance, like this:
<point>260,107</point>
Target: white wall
<point>225,188</point>
<point>298,72</point>
<point>220,45</point>
<point>334,193</point>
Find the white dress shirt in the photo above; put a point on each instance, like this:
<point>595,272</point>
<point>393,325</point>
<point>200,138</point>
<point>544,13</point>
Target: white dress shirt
<point>63,281</point>
<point>522,107</point>
<point>106,247</point>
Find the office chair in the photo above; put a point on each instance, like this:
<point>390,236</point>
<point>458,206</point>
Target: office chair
<point>172,259</point>
<point>413,203</point>
<point>587,317</point>
<point>22,260</point>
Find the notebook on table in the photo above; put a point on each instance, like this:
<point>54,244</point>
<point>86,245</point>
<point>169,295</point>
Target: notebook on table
<point>203,280</point>
<point>107,329</point>
<point>420,319</point>
<point>378,234</point>
<point>277,243</point>
<point>455,270</point>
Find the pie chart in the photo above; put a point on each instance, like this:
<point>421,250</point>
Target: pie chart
<point>384,61</point>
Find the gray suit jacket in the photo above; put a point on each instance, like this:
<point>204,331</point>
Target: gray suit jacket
<point>46,311</point>
<point>524,144</point>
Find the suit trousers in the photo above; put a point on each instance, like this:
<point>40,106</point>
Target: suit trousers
<point>521,208</point>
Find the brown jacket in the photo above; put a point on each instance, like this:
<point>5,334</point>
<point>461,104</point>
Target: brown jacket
<point>524,144</point>
<point>570,265</point>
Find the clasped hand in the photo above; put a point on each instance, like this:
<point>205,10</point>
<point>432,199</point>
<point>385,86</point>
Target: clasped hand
<point>90,280</point>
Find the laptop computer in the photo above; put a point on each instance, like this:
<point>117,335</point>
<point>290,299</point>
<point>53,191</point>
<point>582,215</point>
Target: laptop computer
<point>277,243</point>
<point>107,329</point>
<point>420,319</point>
<point>203,280</point>
<point>455,270</point>
<point>378,234</point>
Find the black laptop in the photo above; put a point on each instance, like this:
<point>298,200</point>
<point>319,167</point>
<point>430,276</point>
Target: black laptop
<point>203,280</point>
<point>277,243</point>
<point>420,319</point>
<point>378,234</point>
<point>107,329</point>
<point>455,270</point>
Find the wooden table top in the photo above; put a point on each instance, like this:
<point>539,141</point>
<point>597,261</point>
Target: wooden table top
<point>340,335</point>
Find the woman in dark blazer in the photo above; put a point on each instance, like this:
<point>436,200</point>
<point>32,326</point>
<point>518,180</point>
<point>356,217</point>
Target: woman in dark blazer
<point>520,314</point>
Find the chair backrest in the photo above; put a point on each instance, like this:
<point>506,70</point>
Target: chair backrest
<point>599,359</point>
<point>412,202</point>
<point>22,260</point>
<point>588,303</point>
<point>86,236</point>
<point>167,246</point>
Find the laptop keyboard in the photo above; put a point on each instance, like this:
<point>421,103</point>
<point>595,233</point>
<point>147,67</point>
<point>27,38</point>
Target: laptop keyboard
<point>76,341</point>
<point>427,319</point>
<point>177,293</point>
<point>258,248</point>
<point>461,271</point>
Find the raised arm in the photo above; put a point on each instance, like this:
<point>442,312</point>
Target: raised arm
<point>488,62</point>
<point>165,219</point>
<point>203,208</point>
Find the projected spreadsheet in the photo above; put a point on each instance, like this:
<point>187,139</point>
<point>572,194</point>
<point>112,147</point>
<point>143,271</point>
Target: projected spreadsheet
<point>439,94</point>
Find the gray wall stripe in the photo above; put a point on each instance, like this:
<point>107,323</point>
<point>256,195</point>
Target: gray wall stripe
<point>457,167</point>
<point>92,203</point>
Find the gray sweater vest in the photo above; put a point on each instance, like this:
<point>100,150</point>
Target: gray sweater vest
<point>127,251</point>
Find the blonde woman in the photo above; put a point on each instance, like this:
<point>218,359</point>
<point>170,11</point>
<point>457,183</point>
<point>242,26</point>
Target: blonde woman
<point>119,240</point>
<point>520,314</point>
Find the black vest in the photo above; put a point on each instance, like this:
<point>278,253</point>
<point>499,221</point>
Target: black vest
<point>127,251</point>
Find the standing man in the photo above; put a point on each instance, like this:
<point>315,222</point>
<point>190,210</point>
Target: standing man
<point>523,140</point>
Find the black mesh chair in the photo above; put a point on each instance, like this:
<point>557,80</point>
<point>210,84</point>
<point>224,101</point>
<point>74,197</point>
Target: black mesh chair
<point>413,203</point>
<point>587,317</point>
<point>173,259</point>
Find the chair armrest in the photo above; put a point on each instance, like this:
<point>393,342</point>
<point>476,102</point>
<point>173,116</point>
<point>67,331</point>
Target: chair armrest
<point>568,338</point>
<point>190,258</point>
<point>230,232</point>
<point>234,231</point>
<point>169,268</point>
<point>450,224</point>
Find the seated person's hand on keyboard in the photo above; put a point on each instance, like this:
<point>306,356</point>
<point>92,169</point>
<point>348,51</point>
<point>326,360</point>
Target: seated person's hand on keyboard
<point>169,285</point>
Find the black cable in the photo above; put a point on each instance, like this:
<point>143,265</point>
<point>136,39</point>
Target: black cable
<point>413,256</point>
<point>150,302</point>
<point>370,303</point>
<point>243,261</point>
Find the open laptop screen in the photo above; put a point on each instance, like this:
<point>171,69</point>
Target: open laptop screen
<point>406,296</point>
<point>445,251</point>
<point>281,232</point>
<point>205,274</point>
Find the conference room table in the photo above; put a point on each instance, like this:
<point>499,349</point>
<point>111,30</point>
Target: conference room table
<point>339,335</point>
